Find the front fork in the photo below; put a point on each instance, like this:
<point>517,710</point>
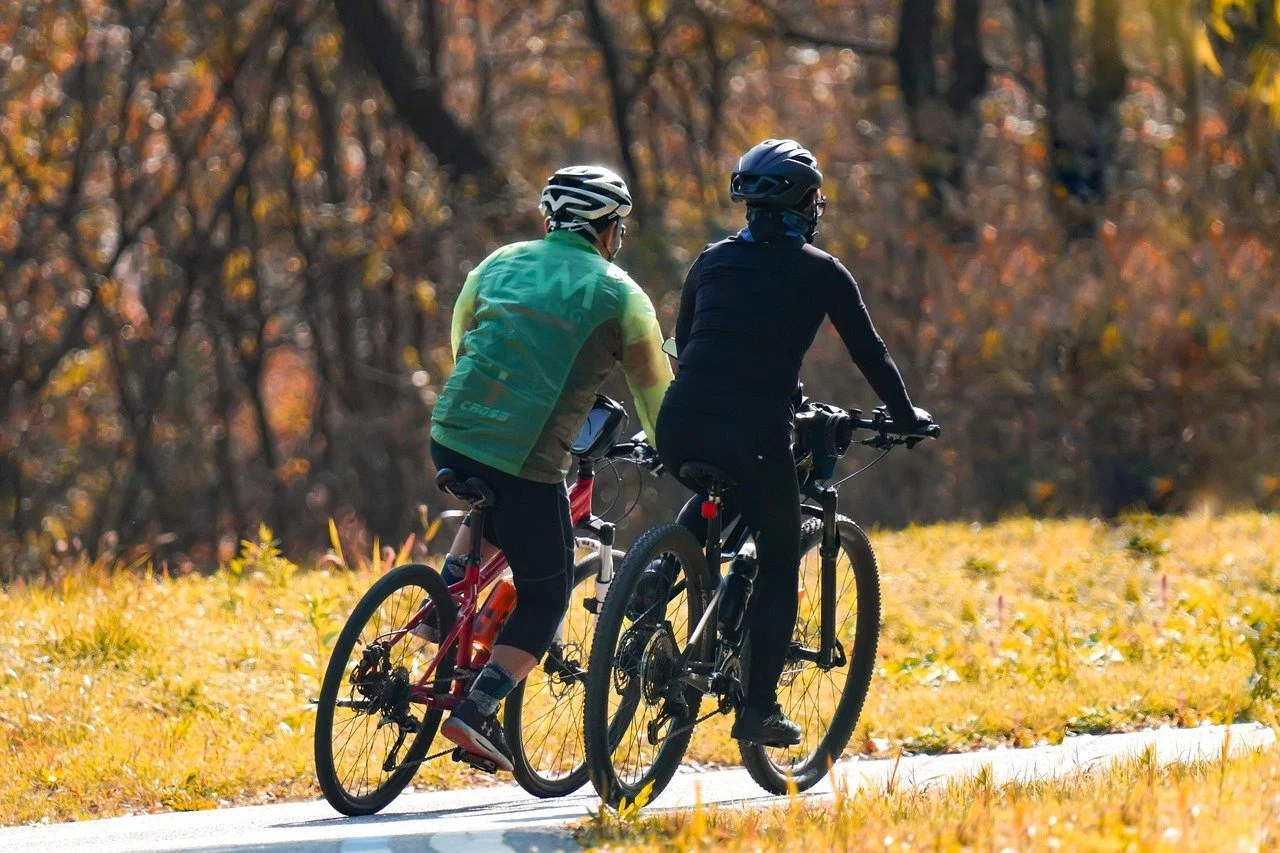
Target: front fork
<point>604,575</point>
<point>603,543</point>
<point>830,552</point>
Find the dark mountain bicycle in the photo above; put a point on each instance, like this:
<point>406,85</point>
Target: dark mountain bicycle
<point>388,682</point>
<point>671,631</point>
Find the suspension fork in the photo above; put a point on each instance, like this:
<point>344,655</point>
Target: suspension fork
<point>605,533</point>
<point>604,575</point>
<point>830,552</point>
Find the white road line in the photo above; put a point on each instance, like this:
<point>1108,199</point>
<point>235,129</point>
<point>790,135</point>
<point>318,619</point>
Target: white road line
<point>503,818</point>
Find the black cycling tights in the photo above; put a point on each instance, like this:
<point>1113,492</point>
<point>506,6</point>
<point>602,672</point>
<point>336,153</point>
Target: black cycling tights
<point>530,522</point>
<point>768,497</point>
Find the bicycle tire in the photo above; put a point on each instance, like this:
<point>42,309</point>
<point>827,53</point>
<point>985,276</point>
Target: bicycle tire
<point>335,790</point>
<point>539,781</point>
<point>779,777</point>
<point>602,735</point>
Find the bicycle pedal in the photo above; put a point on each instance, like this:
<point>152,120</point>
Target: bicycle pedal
<point>479,762</point>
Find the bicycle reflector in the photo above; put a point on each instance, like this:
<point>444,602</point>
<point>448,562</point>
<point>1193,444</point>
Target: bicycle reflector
<point>708,509</point>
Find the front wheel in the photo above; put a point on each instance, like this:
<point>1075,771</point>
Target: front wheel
<point>542,718</point>
<point>825,703</point>
<point>370,737</point>
<point>639,713</point>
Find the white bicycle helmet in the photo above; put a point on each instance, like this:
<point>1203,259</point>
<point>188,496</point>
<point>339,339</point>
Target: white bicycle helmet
<point>584,198</point>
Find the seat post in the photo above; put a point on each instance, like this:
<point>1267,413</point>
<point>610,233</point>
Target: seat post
<point>476,543</point>
<point>711,510</point>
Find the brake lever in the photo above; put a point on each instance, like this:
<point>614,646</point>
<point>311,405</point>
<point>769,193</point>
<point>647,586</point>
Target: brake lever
<point>644,455</point>
<point>880,441</point>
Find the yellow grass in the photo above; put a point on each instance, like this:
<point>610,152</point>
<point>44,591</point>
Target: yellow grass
<point>1025,631</point>
<point>134,692</point>
<point>1136,805</point>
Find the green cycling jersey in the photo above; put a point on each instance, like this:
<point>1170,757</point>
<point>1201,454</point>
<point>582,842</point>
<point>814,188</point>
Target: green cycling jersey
<point>536,329</point>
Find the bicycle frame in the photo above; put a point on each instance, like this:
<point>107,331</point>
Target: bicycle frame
<point>829,653</point>
<point>479,576</point>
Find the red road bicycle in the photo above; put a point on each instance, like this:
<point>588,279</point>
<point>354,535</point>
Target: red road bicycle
<point>387,685</point>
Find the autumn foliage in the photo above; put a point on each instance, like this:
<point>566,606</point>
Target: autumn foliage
<point>231,233</point>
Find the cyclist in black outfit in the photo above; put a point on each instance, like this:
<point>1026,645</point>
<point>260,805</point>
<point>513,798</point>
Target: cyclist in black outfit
<point>751,307</point>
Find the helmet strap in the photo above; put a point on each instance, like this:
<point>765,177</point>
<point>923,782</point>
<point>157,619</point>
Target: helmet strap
<point>812,231</point>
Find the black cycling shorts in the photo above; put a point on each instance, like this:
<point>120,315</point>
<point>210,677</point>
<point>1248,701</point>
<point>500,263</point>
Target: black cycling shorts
<point>531,523</point>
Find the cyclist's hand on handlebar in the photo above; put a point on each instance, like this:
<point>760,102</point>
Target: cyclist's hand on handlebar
<point>918,424</point>
<point>644,453</point>
<point>924,427</point>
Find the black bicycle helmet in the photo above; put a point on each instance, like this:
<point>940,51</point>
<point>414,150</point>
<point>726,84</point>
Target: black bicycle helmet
<point>776,173</point>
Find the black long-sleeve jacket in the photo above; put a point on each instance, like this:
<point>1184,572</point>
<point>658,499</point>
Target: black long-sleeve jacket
<point>749,313</point>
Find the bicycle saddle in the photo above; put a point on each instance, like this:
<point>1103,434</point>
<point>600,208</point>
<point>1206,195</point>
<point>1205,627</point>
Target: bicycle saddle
<point>707,476</point>
<point>473,491</point>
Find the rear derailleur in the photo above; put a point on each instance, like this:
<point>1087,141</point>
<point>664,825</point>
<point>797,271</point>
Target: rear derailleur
<point>388,691</point>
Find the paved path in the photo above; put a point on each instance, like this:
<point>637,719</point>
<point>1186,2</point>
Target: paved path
<point>505,818</point>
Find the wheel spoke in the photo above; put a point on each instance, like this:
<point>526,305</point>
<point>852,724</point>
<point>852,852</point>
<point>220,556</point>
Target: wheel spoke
<point>633,755</point>
<point>814,693</point>
<point>357,747</point>
<point>550,714</point>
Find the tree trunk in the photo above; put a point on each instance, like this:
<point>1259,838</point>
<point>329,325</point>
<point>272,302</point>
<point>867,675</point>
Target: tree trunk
<point>1082,129</point>
<point>621,97</point>
<point>944,128</point>
<point>418,99</point>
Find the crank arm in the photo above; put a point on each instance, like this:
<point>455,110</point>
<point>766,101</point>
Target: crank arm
<point>835,660</point>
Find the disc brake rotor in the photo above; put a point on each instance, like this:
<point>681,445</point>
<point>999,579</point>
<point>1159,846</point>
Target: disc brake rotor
<point>565,670</point>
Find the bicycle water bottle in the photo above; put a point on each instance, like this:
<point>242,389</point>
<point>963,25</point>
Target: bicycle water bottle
<point>734,597</point>
<point>491,616</point>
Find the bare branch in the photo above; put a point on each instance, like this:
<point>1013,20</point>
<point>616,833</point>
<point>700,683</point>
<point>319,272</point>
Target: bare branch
<point>783,28</point>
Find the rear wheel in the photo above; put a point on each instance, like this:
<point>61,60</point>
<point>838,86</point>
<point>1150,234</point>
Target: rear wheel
<point>369,737</point>
<point>543,716</point>
<point>825,703</point>
<point>639,715</point>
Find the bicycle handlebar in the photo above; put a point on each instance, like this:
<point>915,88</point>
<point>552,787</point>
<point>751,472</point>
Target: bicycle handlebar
<point>889,433</point>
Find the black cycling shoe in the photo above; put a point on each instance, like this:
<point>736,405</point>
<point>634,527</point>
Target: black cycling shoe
<point>478,734</point>
<point>654,584</point>
<point>765,727</point>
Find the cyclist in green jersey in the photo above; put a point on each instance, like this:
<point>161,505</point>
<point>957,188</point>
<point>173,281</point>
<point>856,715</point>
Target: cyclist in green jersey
<point>538,326</point>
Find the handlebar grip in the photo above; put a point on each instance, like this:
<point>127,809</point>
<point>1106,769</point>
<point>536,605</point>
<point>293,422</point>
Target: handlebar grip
<point>888,427</point>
